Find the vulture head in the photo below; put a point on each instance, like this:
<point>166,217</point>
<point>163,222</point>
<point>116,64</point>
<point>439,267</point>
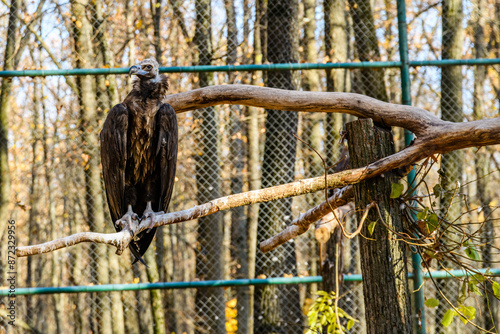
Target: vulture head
<point>145,70</point>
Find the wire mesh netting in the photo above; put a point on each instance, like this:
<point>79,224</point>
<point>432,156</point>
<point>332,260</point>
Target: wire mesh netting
<point>53,185</point>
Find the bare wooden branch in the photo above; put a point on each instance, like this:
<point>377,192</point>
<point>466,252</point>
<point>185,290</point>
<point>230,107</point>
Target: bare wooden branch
<point>120,240</point>
<point>426,126</point>
<point>304,221</point>
<point>123,238</point>
<point>415,119</point>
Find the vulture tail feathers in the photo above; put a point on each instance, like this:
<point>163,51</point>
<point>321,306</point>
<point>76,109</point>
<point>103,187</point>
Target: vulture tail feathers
<point>137,255</point>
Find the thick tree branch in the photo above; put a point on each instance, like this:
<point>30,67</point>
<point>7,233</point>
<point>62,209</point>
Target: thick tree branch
<point>422,123</point>
<point>411,118</point>
<point>433,136</point>
<point>123,238</point>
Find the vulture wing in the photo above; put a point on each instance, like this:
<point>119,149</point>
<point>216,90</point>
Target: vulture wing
<point>114,159</point>
<point>166,159</point>
<point>166,152</point>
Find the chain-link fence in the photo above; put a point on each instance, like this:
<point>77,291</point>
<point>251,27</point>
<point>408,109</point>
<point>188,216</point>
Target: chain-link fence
<point>53,188</point>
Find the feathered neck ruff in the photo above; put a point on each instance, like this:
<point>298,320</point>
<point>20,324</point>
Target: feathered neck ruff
<point>153,88</point>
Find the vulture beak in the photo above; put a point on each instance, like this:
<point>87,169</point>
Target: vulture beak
<point>136,70</point>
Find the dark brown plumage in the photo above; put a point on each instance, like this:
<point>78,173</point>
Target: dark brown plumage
<point>139,153</point>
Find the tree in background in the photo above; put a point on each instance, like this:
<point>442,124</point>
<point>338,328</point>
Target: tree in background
<point>89,127</point>
<point>5,105</point>
<point>209,254</point>
<point>337,80</point>
<point>451,110</point>
<point>278,308</point>
<point>482,160</point>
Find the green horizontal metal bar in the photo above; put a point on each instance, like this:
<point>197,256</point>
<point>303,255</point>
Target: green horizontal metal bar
<point>246,68</point>
<point>204,68</point>
<point>281,67</point>
<point>213,284</point>
<point>164,285</point>
<point>263,67</point>
<point>453,62</point>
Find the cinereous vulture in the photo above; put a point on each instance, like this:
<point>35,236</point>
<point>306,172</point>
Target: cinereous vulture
<point>139,154</point>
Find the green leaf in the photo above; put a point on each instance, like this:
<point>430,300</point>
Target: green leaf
<point>432,222</point>
<point>397,190</point>
<point>432,302</point>
<point>472,253</point>
<point>496,289</point>
<point>475,289</point>
<point>330,311</point>
<point>477,278</point>
<point>448,317</point>
<point>468,311</point>
<point>463,293</point>
<point>422,214</point>
<point>371,227</point>
<point>350,323</point>
<point>313,317</point>
<point>437,190</point>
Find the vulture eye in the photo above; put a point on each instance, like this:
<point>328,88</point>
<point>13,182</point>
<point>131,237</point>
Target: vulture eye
<point>147,67</point>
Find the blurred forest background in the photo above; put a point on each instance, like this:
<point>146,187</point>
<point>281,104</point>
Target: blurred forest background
<point>51,182</point>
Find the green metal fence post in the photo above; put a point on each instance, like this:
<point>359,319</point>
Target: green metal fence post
<point>406,97</point>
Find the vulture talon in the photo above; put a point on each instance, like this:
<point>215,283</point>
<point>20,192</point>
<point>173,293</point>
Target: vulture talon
<point>149,213</point>
<point>128,220</point>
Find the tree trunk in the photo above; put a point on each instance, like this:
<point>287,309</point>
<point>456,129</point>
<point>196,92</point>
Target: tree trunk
<point>130,302</point>
<point>159,326</point>
<point>107,97</point>
<point>130,34</point>
<point>239,228</point>
<point>209,256</point>
<point>336,48</point>
<point>336,51</point>
<point>156,260</point>
<point>311,132</point>
<point>76,264</point>
<point>483,193</point>
<point>156,10</point>
<point>383,261</point>
<point>106,83</point>
<point>451,110</point>
<point>49,176</point>
<point>277,309</point>
<point>34,213</point>
<point>311,78</point>
<point>254,164</point>
<point>143,309</point>
<point>82,34</point>
<point>5,107</point>
<point>372,80</point>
